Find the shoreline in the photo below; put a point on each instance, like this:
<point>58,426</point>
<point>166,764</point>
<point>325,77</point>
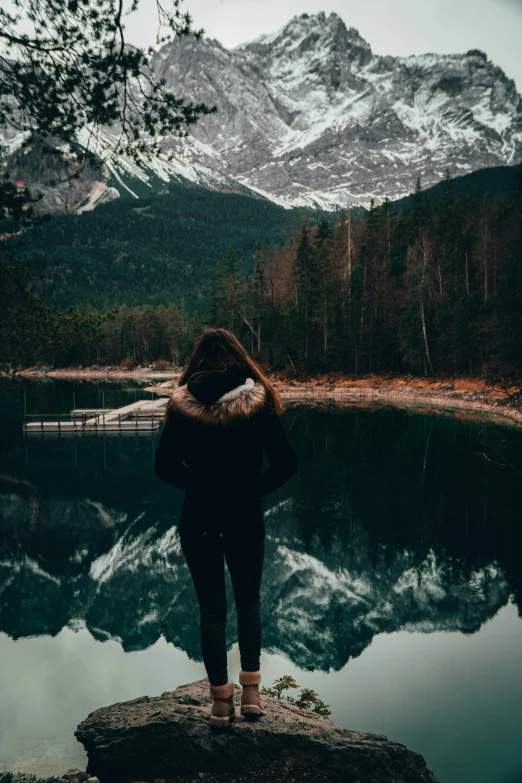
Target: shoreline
<point>465,397</point>
<point>463,406</point>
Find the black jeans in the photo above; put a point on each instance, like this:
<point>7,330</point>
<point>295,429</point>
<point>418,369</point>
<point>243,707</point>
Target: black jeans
<point>206,561</point>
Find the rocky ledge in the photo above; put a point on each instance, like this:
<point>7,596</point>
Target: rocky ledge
<point>168,738</point>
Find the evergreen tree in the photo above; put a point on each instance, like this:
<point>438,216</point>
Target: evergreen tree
<point>191,337</point>
<point>257,299</point>
<point>325,285</point>
<point>303,294</point>
<point>420,210</point>
<point>216,302</point>
<point>505,358</point>
<point>230,289</point>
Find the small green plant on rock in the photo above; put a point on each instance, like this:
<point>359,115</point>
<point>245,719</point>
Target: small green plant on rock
<point>280,685</point>
<point>308,699</point>
<point>311,701</point>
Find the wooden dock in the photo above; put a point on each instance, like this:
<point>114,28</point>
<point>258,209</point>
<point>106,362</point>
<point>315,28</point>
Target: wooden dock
<point>148,408</point>
<point>141,416</point>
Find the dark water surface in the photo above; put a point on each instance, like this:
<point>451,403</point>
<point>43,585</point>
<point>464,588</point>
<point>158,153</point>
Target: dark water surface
<point>392,582</point>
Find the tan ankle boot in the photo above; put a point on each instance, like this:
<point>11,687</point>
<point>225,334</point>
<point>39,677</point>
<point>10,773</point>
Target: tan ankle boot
<point>223,710</point>
<point>251,705</point>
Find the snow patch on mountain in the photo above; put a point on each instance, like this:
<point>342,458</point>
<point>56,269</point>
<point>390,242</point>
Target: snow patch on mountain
<point>130,553</point>
<point>309,116</point>
<point>26,563</point>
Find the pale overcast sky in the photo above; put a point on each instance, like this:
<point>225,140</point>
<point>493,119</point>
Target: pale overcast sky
<point>398,27</point>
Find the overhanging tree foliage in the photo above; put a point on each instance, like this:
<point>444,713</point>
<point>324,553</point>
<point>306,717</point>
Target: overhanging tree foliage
<point>65,65</point>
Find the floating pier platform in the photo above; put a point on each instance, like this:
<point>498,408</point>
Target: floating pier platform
<point>141,416</point>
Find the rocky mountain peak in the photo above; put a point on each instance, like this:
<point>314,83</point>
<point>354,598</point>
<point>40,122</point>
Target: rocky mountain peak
<point>311,34</point>
<point>309,116</point>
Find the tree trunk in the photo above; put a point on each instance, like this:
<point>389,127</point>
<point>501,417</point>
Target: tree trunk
<point>423,316</point>
<point>486,262</point>
<point>325,320</point>
<point>347,268</point>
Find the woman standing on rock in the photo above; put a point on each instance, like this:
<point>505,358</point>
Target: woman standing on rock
<point>220,420</point>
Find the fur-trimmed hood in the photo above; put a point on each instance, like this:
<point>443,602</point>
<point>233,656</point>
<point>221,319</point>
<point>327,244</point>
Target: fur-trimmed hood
<point>240,402</point>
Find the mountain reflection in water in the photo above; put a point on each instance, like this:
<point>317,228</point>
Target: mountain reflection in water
<point>394,521</point>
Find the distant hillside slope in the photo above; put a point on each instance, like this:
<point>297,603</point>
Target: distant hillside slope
<point>155,250</point>
<point>495,181</point>
<point>158,249</point>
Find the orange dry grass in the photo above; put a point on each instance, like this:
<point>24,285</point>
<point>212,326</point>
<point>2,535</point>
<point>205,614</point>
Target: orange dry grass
<point>461,384</point>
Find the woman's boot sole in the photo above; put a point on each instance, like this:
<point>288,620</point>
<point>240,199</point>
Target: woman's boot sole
<point>221,723</point>
<point>251,712</point>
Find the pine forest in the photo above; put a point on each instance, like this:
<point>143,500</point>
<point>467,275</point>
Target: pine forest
<point>434,289</point>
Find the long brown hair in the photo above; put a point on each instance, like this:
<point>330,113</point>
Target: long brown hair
<point>220,350</point>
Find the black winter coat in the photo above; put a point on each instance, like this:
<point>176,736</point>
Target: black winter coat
<point>212,446</point>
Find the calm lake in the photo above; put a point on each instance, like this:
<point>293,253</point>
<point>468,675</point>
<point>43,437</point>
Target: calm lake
<point>392,580</point>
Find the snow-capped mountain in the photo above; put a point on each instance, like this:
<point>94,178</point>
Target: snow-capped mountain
<point>310,116</point>
<point>104,176</point>
<point>128,581</point>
